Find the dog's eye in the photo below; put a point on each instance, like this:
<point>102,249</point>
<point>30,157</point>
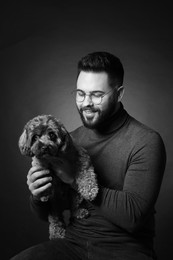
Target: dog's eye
<point>34,138</point>
<point>52,136</point>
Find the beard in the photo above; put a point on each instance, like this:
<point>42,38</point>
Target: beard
<point>100,118</point>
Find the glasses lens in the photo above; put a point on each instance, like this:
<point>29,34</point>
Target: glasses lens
<point>96,100</point>
<point>80,96</point>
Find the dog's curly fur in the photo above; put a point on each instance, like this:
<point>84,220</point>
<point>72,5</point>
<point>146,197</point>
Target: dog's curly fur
<point>45,139</point>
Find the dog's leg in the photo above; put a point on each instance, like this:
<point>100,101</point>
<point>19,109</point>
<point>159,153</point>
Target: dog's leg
<point>86,180</point>
<point>77,210</point>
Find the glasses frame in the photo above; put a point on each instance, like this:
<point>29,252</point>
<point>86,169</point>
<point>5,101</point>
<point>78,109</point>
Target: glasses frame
<point>89,94</point>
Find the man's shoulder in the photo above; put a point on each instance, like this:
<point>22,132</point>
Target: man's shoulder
<point>143,132</point>
<point>78,133</point>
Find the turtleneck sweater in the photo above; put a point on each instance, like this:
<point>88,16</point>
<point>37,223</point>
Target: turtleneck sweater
<point>129,160</point>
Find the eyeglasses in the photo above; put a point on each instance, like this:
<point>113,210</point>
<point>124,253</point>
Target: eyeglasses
<point>95,96</point>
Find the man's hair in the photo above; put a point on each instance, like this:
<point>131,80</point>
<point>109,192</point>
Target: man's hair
<point>103,62</point>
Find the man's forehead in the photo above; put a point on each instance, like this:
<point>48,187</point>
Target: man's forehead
<point>93,81</point>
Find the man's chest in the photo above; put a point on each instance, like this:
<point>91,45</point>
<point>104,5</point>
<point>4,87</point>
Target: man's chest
<point>110,158</point>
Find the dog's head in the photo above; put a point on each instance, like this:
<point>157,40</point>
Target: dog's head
<point>44,135</point>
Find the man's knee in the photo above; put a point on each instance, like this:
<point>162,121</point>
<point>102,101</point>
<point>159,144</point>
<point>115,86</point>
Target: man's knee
<point>52,250</point>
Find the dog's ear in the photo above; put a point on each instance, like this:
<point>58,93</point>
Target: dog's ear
<point>24,144</point>
<point>66,139</point>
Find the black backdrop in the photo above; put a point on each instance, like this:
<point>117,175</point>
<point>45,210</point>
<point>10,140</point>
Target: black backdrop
<point>40,44</point>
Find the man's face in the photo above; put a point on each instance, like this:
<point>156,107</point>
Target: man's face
<point>91,114</point>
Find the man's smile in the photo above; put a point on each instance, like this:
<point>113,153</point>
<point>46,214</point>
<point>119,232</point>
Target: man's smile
<point>89,113</point>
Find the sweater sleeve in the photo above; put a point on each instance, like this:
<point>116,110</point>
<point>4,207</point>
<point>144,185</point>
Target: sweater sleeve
<point>129,208</point>
<point>41,209</point>
<point>55,205</point>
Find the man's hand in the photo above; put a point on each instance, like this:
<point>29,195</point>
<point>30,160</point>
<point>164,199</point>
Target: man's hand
<point>39,182</point>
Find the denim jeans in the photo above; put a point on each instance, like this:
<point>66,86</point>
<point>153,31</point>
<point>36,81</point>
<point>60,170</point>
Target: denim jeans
<point>75,248</point>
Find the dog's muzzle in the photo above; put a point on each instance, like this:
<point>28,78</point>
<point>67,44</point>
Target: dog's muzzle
<point>41,149</point>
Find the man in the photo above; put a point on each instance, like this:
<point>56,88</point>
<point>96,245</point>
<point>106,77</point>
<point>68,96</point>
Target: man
<point>129,159</point>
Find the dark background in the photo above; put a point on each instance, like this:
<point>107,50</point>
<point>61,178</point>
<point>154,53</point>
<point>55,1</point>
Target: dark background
<point>40,45</point>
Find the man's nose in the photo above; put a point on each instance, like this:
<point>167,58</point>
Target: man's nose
<point>87,101</point>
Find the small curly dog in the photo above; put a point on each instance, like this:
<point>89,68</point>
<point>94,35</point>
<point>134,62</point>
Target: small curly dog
<point>46,140</point>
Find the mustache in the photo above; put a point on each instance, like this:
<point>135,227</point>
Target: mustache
<point>88,109</point>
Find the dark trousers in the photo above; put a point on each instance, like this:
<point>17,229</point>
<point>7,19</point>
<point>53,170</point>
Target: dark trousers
<point>78,249</point>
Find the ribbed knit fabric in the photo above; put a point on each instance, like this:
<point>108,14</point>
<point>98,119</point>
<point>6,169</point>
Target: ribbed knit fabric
<point>129,159</point>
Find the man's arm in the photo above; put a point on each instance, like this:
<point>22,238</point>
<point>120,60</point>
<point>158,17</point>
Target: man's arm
<point>40,182</point>
<point>42,209</point>
<point>129,208</point>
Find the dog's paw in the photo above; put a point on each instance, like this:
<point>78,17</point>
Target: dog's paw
<point>56,228</point>
<point>81,213</point>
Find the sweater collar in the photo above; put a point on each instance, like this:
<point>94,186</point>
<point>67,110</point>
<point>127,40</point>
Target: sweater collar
<point>113,123</point>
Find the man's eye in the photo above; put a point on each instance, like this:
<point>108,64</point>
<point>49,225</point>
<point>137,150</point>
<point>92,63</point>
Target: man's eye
<point>97,95</point>
<point>80,93</point>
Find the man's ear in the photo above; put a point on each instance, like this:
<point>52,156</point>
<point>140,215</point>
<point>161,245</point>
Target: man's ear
<point>120,92</point>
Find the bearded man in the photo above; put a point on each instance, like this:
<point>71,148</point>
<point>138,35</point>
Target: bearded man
<point>129,160</point>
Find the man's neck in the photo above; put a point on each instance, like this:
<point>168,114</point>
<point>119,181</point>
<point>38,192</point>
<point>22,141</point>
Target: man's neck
<point>113,122</point>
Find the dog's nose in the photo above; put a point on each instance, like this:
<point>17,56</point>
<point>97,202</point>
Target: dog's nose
<point>44,148</point>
